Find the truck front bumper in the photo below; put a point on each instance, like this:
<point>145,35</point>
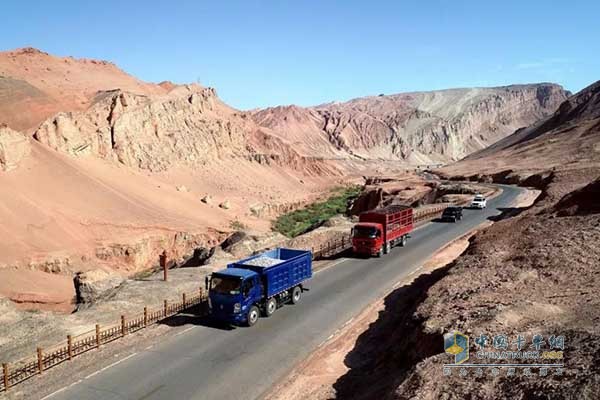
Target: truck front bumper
<point>235,319</point>
<point>368,251</point>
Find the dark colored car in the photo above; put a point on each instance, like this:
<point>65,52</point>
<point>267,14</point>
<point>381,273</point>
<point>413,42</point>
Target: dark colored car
<point>452,214</point>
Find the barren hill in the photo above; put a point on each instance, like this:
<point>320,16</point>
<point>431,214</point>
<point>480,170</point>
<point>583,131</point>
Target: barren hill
<point>421,127</point>
<point>34,85</point>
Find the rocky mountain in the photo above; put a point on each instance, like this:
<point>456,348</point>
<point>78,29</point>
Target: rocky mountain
<point>189,126</point>
<point>89,107</point>
<point>421,127</point>
<point>568,139</point>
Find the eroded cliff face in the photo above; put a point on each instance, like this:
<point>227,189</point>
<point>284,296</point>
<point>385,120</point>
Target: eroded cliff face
<point>14,147</point>
<point>189,127</point>
<point>422,127</point>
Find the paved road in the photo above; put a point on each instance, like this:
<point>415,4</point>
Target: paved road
<point>243,363</point>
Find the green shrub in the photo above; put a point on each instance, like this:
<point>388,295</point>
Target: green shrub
<point>310,217</point>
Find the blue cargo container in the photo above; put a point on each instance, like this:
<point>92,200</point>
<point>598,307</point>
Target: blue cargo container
<point>261,283</point>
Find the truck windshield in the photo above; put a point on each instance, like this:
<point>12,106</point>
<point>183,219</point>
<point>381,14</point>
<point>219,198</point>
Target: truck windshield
<point>225,285</point>
<point>365,232</point>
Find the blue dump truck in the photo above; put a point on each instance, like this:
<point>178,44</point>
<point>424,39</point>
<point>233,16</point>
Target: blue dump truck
<point>259,284</point>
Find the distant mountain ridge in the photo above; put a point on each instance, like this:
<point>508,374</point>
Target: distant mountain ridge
<point>567,139</point>
<point>418,127</point>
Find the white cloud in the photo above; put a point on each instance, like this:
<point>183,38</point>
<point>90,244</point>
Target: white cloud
<point>542,64</point>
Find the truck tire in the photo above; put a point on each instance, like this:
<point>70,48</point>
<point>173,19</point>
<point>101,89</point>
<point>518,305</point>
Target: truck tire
<point>296,295</point>
<point>388,247</point>
<point>253,314</point>
<point>403,241</point>
<point>270,307</point>
<point>380,252</point>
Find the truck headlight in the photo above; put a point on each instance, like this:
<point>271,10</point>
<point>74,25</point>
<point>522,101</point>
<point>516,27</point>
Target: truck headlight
<point>237,307</point>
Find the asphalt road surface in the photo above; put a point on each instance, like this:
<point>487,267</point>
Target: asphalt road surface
<point>243,363</point>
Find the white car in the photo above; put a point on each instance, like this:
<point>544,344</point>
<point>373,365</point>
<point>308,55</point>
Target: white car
<point>479,202</point>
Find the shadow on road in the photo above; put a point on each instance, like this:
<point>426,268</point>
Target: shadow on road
<point>344,254</point>
<point>506,212</point>
<point>392,345</point>
<point>198,316</point>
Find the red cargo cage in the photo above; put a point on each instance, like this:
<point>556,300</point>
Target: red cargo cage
<point>381,229</point>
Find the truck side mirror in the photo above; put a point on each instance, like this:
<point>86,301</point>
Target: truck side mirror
<point>206,282</point>
<point>351,231</point>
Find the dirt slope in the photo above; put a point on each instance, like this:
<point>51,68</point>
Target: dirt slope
<point>421,127</point>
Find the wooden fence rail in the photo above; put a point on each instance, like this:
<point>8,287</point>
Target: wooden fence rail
<point>17,372</point>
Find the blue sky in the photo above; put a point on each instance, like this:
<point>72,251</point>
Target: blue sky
<point>306,52</point>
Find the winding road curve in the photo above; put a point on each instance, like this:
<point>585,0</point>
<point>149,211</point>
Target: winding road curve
<point>243,363</point>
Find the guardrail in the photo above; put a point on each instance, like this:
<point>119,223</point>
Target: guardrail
<point>17,372</point>
<point>73,346</point>
<point>427,213</point>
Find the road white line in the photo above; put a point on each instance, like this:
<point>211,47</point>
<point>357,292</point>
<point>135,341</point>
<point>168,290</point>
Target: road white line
<point>331,265</point>
<point>184,331</point>
<point>57,392</point>
<point>149,347</point>
<point>111,365</point>
<point>61,390</point>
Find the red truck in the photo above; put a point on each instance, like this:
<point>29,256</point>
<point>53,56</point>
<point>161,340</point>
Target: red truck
<point>379,230</point>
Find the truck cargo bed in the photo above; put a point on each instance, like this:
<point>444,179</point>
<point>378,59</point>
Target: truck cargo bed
<point>280,268</point>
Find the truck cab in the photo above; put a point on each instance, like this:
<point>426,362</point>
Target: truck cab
<point>232,292</point>
<point>367,238</point>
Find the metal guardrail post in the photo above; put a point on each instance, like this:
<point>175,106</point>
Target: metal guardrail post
<point>165,308</point>
<point>40,358</point>
<point>183,300</point>
<point>5,373</point>
<point>70,347</point>
<point>145,316</point>
<point>97,336</point>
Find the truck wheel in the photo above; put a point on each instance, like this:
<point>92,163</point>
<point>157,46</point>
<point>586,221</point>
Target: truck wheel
<point>296,295</point>
<point>253,314</point>
<point>270,307</point>
<point>380,252</point>
<point>387,248</point>
<point>403,242</point>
